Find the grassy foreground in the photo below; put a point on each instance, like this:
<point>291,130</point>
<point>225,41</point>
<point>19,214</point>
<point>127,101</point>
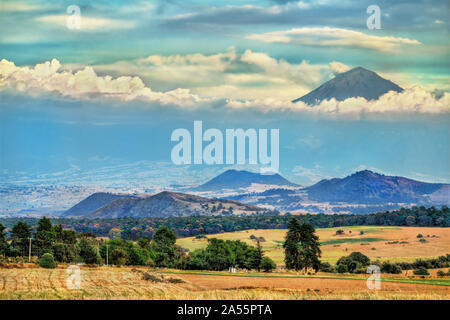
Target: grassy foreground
<point>128,283</point>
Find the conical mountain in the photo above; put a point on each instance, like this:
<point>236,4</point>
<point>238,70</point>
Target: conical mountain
<point>357,82</point>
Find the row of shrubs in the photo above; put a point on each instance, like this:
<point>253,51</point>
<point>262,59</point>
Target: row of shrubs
<point>357,262</point>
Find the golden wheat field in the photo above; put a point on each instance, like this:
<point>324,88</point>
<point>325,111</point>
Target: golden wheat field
<point>128,283</point>
<point>378,243</point>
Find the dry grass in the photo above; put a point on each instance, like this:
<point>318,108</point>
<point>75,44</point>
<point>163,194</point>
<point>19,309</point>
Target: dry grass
<point>27,281</point>
<point>128,283</point>
<point>376,247</point>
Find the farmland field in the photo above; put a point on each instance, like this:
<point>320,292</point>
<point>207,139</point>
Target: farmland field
<point>28,281</point>
<point>128,283</point>
<point>378,243</point>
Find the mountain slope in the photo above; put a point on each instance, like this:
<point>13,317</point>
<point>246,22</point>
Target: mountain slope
<point>235,179</point>
<point>370,187</point>
<point>357,82</point>
<point>91,203</point>
<point>360,193</point>
<point>171,204</point>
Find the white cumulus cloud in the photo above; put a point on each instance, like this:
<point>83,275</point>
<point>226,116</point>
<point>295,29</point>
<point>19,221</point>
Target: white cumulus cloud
<point>85,84</point>
<point>413,100</point>
<point>338,67</point>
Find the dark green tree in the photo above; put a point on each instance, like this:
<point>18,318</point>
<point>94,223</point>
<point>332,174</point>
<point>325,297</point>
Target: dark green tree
<point>135,257</point>
<point>292,245</point>
<point>167,254</point>
<point>45,237</point>
<point>20,234</point>
<point>47,261</point>
<point>3,243</point>
<point>258,256</point>
<point>197,260</point>
<point>218,255</point>
<point>87,251</point>
<point>267,264</point>
<point>354,261</point>
<point>119,257</point>
<point>309,248</point>
<point>63,252</point>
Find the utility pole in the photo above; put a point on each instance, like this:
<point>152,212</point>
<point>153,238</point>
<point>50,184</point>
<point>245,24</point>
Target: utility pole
<point>29,252</point>
<point>106,254</point>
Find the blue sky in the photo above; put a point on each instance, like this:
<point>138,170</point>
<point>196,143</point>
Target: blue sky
<point>109,94</point>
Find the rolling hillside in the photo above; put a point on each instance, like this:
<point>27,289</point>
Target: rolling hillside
<point>93,202</point>
<point>169,204</point>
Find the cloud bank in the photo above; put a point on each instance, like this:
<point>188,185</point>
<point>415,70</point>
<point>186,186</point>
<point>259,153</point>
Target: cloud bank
<point>247,75</point>
<point>414,100</point>
<point>86,84</point>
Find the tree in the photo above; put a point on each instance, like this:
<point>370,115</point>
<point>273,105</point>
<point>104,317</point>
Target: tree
<point>342,268</point>
<point>360,258</point>
<point>64,252</point>
<point>354,261</point>
<point>20,235</point>
<point>167,253</point>
<point>393,268</point>
<point>218,255</point>
<point>144,243</point>
<point>47,261</point>
<point>197,260</point>
<point>421,271</point>
<point>267,264</point>
<point>291,245</point>
<point>165,236</point>
<point>119,257</point>
<point>45,237</point>
<point>309,248</point>
<point>302,247</point>
<point>135,257</point>
<point>326,267</point>
<point>3,243</point>
<point>87,252</point>
<point>258,256</point>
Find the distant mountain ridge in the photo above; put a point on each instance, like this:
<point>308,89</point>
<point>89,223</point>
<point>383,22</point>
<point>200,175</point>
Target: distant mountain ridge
<point>93,202</point>
<point>370,187</point>
<point>235,179</point>
<point>357,82</point>
<point>170,204</point>
<point>361,192</point>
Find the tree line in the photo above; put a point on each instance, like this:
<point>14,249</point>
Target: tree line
<point>51,244</point>
<point>135,228</point>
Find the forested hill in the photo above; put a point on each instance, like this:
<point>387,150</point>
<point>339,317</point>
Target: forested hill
<point>134,228</point>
